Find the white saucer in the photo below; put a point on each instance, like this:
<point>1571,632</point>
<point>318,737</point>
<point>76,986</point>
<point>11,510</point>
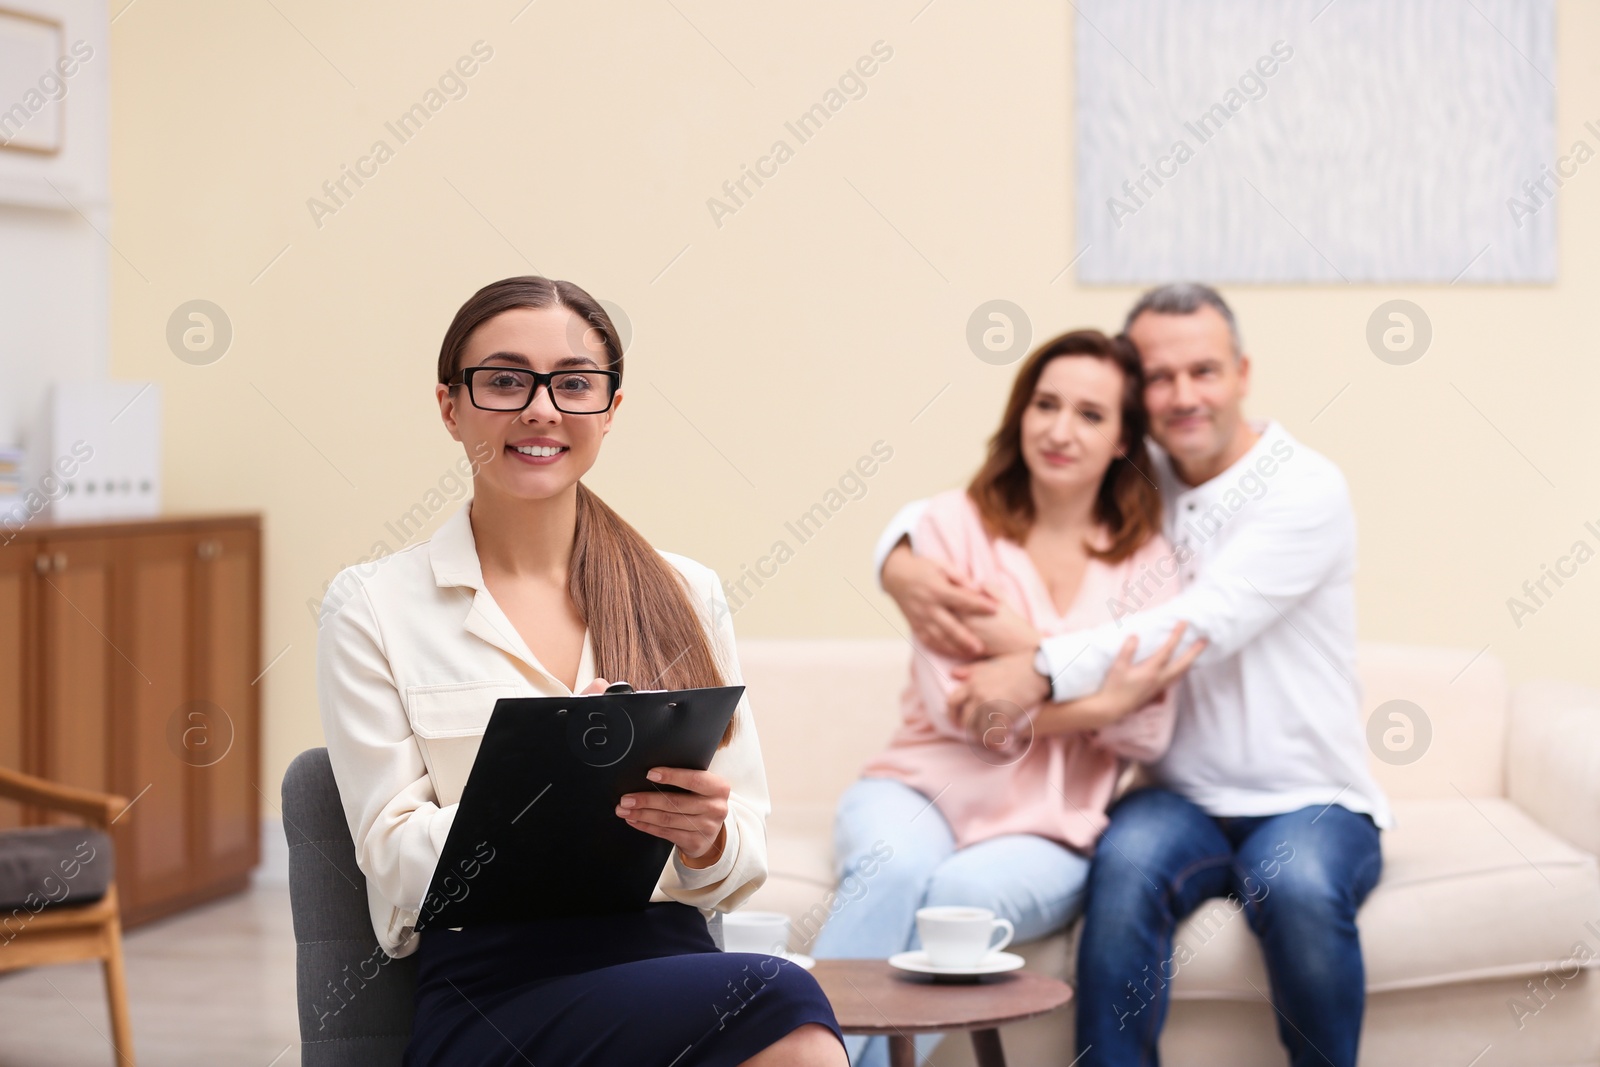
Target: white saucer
<point>918,963</point>
<point>799,959</point>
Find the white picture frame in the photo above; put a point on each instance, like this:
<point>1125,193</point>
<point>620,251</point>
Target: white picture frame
<point>1348,141</point>
<point>32,119</point>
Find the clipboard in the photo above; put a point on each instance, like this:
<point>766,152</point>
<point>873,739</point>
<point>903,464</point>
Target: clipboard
<point>536,832</point>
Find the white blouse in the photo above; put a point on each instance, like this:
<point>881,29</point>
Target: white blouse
<point>412,653</point>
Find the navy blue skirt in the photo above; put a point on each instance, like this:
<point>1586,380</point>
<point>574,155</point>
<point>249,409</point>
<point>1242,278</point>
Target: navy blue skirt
<point>633,990</point>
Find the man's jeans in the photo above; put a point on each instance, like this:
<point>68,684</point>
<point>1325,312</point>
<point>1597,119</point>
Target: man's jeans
<point>1300,878</point>
<point>895,853</point>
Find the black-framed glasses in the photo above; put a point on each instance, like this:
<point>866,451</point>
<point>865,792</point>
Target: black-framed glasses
<point>573,392</point>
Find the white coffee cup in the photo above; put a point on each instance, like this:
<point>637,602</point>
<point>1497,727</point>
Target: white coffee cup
<point>756,931</point>
<point>954,936</point>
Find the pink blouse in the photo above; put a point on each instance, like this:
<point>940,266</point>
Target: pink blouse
<point>1062,784</point>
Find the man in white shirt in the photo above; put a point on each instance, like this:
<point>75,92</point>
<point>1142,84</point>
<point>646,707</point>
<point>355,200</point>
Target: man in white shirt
<point>1264,794</point>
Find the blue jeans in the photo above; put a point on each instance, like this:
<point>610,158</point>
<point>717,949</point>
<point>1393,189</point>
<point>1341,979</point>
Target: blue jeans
<point>894,853</point>
<point>1298,877</point>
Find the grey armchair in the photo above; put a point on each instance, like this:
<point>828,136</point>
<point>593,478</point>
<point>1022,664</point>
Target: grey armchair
<point>355,1001</point>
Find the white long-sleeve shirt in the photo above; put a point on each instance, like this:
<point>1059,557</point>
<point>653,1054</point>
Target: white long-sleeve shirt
<point>1268,717</point>
<point>412,653</point>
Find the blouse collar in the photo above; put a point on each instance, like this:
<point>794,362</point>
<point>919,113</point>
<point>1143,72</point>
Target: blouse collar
<point>453,552</point>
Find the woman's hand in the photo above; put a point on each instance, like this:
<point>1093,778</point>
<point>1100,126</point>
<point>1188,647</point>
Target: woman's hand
<point>694,821</point>
<point>1128,686</point>
<point>1009,678</point>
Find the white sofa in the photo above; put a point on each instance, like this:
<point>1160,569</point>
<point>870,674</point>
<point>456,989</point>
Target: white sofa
<point>1490,895</point>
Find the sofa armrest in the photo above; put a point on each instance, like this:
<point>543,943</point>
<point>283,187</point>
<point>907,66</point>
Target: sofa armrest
<point>1553,759</point>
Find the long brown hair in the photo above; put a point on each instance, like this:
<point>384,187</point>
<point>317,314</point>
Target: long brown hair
<point>1128,504</point>
<point>642,617</point>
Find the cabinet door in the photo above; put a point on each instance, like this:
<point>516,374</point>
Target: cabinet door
<point>228,653</point>
<point>16,572</point>
<point>77,656</point>
<point>153,727</point>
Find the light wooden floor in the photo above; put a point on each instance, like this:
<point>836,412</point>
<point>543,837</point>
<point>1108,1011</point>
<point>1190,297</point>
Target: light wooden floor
<point>211,987</point>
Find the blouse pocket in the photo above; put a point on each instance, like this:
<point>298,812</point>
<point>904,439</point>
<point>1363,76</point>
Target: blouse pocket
<point>449,721</point>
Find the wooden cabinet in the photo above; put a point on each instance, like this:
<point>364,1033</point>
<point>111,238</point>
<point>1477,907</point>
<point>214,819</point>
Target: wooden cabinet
<point>129,656</point>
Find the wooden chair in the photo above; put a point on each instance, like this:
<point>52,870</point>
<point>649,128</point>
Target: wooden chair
<point>66,933</point>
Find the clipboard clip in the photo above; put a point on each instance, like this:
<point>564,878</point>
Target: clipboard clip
<point>624,687</point>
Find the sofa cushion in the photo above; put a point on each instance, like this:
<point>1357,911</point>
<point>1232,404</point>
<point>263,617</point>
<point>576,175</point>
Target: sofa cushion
<point>1471,889</point>
<point>45,866</point>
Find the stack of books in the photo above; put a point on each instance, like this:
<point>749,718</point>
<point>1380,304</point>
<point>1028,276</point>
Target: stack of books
<point>10,481</point>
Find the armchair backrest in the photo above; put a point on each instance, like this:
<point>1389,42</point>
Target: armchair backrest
<point>355,1002</point>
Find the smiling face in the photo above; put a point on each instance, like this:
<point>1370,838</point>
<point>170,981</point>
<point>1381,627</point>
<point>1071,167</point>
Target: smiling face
<point>1072,426</point>
<point>541,451</point>
<point>1194,384</point>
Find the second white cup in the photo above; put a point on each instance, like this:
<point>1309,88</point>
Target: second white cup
<point>954,936</point>
<point>756,931</point>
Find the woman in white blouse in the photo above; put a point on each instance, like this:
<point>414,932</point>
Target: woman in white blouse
<point>536,588</point>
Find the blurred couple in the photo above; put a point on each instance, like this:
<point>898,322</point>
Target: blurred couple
<point>1136,575</point>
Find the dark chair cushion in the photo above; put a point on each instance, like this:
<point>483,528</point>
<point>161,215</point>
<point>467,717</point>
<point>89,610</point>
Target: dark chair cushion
<point>47,866</point>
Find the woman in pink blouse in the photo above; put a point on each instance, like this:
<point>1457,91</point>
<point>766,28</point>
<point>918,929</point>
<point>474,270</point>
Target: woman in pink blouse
<point>1061,526</point>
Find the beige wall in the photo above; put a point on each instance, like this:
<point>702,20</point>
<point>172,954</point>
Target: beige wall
<point>777,348</point>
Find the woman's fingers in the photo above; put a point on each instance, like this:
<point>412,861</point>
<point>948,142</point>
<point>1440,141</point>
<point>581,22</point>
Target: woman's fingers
<point>703,807</point>
<point>703,782</point>
<point>669,820</point>
<point>1170,645</point>
<point>686,804</point>
<point>1124,658</point>
<point>686,840</point>
<point>691,820</point>
<point>955,703</point>
<point>1179,667</point>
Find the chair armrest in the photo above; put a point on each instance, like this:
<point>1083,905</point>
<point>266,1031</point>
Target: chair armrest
<point>1553,759</point>
<point>98,808</point>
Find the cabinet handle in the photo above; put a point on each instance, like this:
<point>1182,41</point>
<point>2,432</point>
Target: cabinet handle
<point>59,563</point>
<point>41,564</point>
<point>210,548</point>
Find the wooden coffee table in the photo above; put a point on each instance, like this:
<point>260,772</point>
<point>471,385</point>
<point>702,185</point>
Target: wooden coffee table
<point>871,997</point>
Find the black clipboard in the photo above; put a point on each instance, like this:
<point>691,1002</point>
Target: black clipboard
<point>537,833</point>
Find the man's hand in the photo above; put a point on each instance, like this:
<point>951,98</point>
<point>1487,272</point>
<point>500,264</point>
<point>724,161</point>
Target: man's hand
<point>934,600</point>
<point>1008,677</point>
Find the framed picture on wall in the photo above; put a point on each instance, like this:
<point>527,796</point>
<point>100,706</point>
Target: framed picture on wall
<point>32,92</point>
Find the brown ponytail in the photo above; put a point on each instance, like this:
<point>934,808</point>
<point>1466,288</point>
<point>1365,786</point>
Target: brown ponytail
<point>644,624</point>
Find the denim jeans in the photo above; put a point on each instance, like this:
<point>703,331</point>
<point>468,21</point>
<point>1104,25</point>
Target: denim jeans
<point>1298,877</point>
<point>894,853</point>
